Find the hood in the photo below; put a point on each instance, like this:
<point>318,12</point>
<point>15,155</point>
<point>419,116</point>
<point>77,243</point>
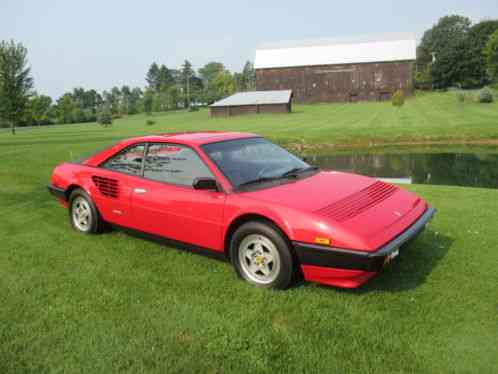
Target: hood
<point>315,192</point>
<point>371,210</point>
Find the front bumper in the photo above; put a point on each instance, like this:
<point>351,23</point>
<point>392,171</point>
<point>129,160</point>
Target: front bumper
<point>318,257</point>
<point>57,192</point>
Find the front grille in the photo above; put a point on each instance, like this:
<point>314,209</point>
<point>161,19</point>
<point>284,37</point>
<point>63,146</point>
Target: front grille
<point>358,202</point>
<point>107,186</point>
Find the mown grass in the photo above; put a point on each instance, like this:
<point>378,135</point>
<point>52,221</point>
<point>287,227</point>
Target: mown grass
<point>107,303</point>
<point>427,117</point>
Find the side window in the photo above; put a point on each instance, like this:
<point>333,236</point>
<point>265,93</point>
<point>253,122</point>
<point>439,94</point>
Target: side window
<point>128,161</point>
<point>174,164</point>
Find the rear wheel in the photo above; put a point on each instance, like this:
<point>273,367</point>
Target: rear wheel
<point>261,255</point>
<point>83,214</point>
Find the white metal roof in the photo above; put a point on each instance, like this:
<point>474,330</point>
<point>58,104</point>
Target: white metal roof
<point>255,98</point>
<point>362,49</point>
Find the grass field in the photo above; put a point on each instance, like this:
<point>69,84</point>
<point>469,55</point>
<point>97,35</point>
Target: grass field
<point>107,303</point>
<point>428,117</point>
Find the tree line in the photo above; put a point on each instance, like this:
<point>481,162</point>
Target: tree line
<point>456,53</point>
<point>166,89</point>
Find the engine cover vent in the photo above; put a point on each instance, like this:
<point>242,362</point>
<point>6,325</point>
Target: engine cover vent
<point>358,202</point>
<point>107,186</point>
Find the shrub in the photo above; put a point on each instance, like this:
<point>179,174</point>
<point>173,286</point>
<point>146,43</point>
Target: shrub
<point>150,122</point>
<point>104,116</point>
<point>485,95</point>
<point>193,108</point>
<point>398,99</point>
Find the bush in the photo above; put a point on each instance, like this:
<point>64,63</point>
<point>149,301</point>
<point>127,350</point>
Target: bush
<point>485,95</point>
<point>398,99</point>
<point>193,108</point>
<point>104,117</point>
<point>150,122</point>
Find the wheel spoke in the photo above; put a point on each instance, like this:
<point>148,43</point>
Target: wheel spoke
<point>265,270</point>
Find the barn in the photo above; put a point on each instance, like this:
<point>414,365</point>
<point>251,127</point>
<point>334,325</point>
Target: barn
<point>253,102</point>
<point>338,70</point>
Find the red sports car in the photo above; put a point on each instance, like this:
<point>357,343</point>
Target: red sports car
<point>238,195</point>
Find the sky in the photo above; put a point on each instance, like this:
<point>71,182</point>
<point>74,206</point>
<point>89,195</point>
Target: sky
<point>106,43</point>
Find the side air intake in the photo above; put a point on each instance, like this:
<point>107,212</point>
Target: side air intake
<point>107,186</point>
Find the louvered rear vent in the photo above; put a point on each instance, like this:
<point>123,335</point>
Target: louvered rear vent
<point>107,186</point>
<point>358,202</point>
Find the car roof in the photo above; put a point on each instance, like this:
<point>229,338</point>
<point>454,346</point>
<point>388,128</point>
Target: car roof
<point>193,137</point>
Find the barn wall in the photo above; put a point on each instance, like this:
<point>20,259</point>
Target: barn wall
<point>220,111</point>
<point>226,111</point>
<point>343,83</point>
<point>274,108</point>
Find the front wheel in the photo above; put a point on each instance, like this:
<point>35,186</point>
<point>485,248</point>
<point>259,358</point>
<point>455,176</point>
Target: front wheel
<point>261,256</point>
<point>83,214</point>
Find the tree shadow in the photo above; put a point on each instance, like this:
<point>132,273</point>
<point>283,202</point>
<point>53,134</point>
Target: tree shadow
<point>416,261</point>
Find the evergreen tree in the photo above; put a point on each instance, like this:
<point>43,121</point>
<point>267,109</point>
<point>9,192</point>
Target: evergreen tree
<point>152,77</point>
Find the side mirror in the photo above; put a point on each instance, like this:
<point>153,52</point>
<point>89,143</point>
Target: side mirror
<point>205,184</point>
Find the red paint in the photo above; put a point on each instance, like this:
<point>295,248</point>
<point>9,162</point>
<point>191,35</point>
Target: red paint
<point>343,278</point>
<point>303,209</point>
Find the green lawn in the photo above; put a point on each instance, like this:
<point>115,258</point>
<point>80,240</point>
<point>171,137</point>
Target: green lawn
<point>107,303</point>
<point>427,117</point>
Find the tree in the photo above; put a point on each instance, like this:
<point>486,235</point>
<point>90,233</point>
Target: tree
<point>105,115</point>
<point>135,96</point>
<point>441,47</point>
<point>223,85</point>
<point>186,73</point>
<point>15,82</point>
<point>491,56</point>
<point>173,97</point>
<point>40,106</point>
<point>473,65</point>
<point>148,101</point>
<point>248,77</point>
<point>65,108</point>
<point>164,78</point>
<point>209,71</point>
<point>152,77</point>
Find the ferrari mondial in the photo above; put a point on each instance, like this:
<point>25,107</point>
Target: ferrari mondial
<point>274,216</point>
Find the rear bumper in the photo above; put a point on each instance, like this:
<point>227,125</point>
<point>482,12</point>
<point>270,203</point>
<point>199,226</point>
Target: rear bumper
<point>59,193</point>
<point>316,261</point>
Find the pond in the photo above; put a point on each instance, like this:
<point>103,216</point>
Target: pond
<point>444,168</point>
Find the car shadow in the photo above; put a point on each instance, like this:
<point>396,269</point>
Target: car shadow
<point>416,261</point>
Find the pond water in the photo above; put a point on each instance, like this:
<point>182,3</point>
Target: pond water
<point>458,169</point>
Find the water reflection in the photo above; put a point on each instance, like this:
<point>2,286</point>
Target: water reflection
<point>459,169</point>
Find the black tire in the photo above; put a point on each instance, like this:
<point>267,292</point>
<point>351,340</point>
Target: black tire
<point>95,222</point>
<point>284,273</point>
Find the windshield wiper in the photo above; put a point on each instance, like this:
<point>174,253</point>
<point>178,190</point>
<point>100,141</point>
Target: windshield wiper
<point>295,171</point>
<point>259,180</point>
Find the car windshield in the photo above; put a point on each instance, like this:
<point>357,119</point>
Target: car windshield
<point>253,160</point>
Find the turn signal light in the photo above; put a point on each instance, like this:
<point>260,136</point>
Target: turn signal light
<point>322,241</point>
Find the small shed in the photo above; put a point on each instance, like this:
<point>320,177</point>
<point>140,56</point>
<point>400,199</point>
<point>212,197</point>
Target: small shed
<point>253,102</point>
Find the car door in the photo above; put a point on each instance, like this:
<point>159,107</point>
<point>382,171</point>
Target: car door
<point>113,182</point>
<point>166,204</point>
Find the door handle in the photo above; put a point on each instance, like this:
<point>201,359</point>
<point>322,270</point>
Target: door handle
<point>140,190</point>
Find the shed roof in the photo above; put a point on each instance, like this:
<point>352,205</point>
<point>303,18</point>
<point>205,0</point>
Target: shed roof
<point>255,98</point>
<point>360,49</point>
